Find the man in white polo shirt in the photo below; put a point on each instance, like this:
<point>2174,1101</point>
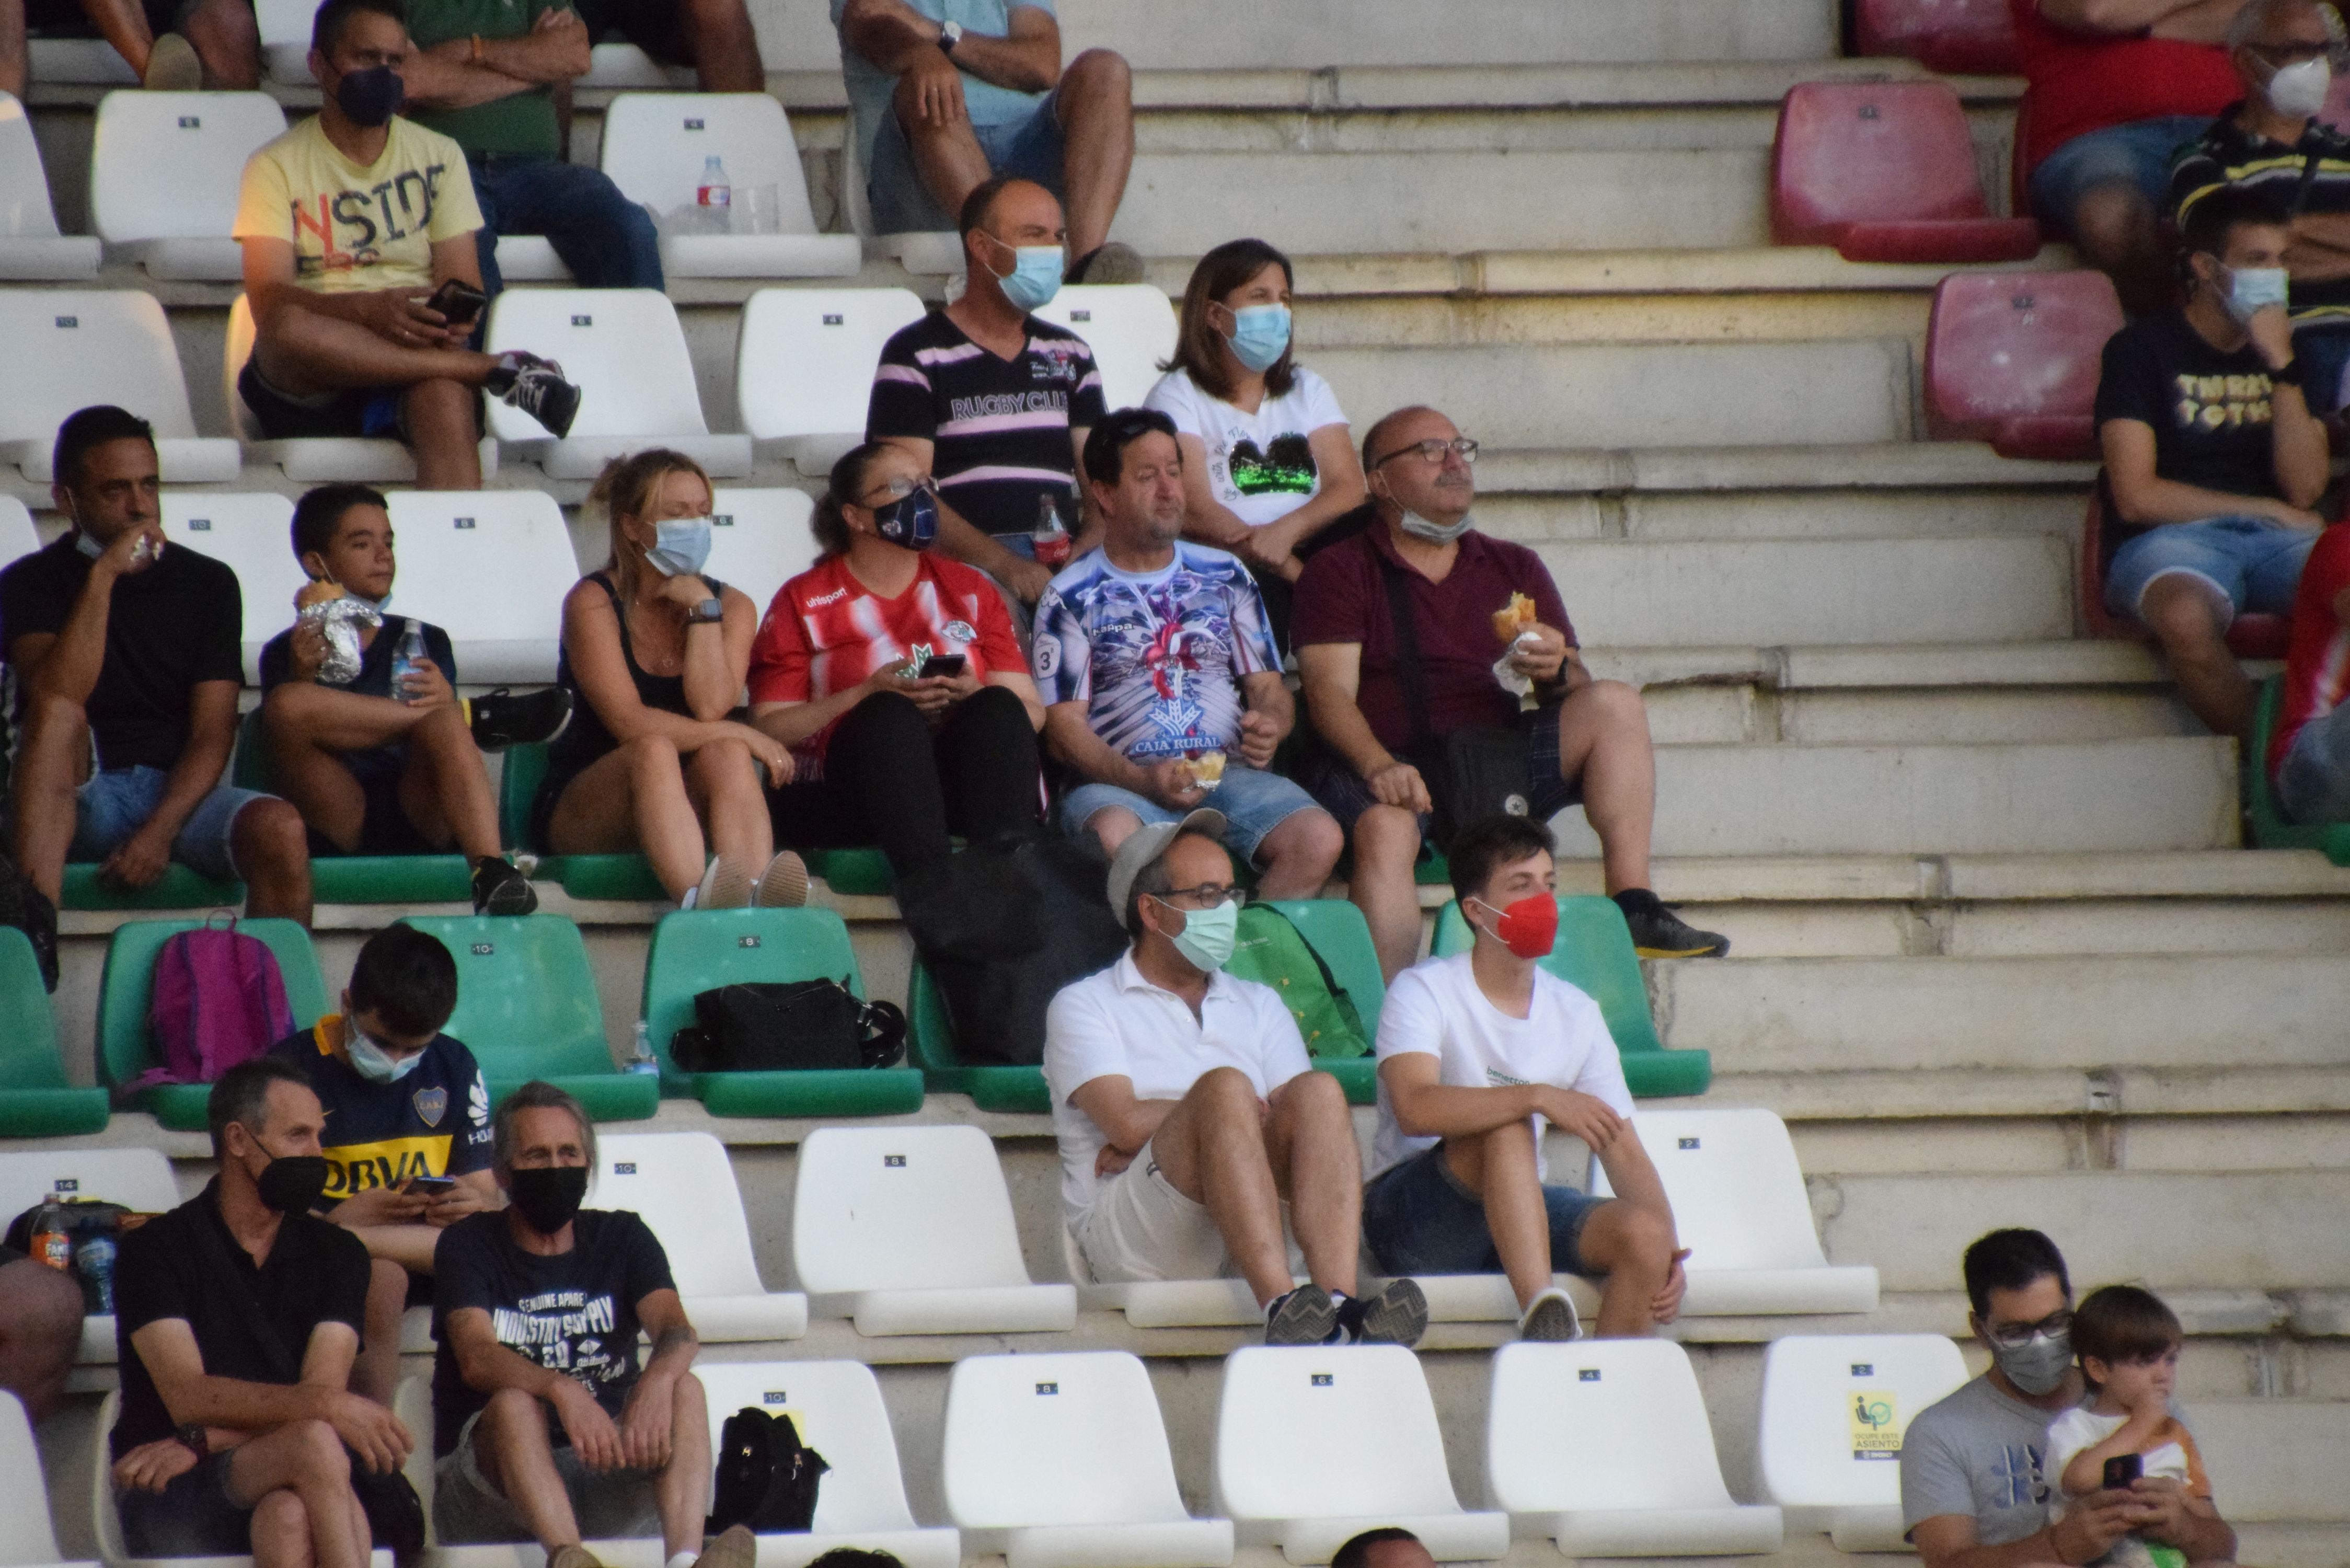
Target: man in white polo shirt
<point>1476,1052</point>
<point>1193,1131</point>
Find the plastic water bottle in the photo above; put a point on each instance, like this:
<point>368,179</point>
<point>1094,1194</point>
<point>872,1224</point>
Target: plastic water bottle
<point>713,198</point>
<point>94,1261</point>
<point>404,662</point>
<point>1050,541</point>
<point>644,1061</point>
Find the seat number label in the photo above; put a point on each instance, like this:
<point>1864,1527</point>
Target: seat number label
<point>624,1168</point>
<point>750,941</point>
<point>1048,1388</point>
<point>1586,1374</point>
<point>1687,1143</point>
<point>1321,1380</point>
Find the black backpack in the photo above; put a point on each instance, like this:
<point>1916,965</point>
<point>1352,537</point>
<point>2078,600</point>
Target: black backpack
<point>766,1477</point>
<point>766,1026</point>
<point>29,909</point>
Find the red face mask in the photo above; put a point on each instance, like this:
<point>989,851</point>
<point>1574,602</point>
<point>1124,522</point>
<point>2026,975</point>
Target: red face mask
<point>1529,927</point>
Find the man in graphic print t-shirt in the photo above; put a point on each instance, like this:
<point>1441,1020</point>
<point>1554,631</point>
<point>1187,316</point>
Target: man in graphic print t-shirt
<point>1161,682</point>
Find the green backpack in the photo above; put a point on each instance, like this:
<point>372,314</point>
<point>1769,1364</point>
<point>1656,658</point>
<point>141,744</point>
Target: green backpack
<point>1273,952</point>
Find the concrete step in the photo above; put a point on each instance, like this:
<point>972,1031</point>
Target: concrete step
<point>1734,715</point>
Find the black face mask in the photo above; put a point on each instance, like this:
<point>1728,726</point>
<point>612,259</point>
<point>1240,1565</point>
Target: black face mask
<point>292,1183</point>
<point>547,1195</point>
<point>371,97</point>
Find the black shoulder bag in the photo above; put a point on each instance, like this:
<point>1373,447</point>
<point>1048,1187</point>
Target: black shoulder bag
<point>766,1477</point>
<point>1471,772</point>
<point>770,1026</point>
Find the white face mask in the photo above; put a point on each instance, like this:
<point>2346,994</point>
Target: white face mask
<point>2299,89</point>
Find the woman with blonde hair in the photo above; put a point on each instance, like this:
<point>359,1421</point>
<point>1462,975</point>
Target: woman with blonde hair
<point>654,653</point>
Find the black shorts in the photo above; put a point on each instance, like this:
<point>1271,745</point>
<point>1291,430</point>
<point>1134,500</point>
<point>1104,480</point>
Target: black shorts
<point>651,25</point>
<point>66,19</point>
<point>384,827</point>
<point>191,1516</point>
<point>363,411</point>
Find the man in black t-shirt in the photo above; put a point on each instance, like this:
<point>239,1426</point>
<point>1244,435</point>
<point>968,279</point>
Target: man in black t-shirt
<point>120,640</point>
<point>376,771</point>
<point>236,1318</point>
<point>2212,457</point>
<point>991,401</point>
<point>544,1426</point>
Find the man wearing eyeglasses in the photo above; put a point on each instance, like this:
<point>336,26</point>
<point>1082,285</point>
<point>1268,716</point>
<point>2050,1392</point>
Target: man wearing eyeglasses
<point>1195,1137</point>
<point>1382,713</point>
<point>1973,1490</point>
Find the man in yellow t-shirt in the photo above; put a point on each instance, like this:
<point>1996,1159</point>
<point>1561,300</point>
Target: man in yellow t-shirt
<point>350,223</point>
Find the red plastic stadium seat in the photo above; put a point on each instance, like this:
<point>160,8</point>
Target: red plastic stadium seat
<point>1959,37</point>
<point>2248,636</point>
<point>1885,172</point>
<point>2012,359</point>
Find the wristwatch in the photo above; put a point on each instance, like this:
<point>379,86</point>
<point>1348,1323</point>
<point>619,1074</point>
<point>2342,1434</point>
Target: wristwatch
<point>709,612</point>
<point>2287,374</point>
<point>950,35</point>
<point>192,1438</point>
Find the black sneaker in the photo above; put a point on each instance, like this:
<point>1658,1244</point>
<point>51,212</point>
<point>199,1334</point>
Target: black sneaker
<point>1302,1316</point>
<point>1396,1313</point>
<point>499,888</point>
<point>500,719</point>
<point>536,387</point>
<point>1658,933</point>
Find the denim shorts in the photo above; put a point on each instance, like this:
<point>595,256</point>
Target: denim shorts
<point>2312,782</point>
<point>1030,149</point>
<point>1418,1219</point>
<point>1342,793</point>
<point>117,802</point>
<point>2253,563</point>
<point>1253,803</point>
<point>610,1505</point>
<point>2136,153</point>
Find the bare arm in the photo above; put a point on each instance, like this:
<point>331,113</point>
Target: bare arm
<point>445,76</point>
<point>1205,518</point>
<point>2090,1526</point>
<point>1127,1123</point>
<point>591,635</point>
<point>2141,498</point>
<point>789,724</point>
<point>398,314</point>
<point>167,1348</point>
<point>718,657</point>
<point>895,37</point>
<point>1342,490</point>
<point>1266,693</point>
<point>67,664</point>
<point>1069,736</point>
<point>2204,21</point>
<point>1427,1108</point>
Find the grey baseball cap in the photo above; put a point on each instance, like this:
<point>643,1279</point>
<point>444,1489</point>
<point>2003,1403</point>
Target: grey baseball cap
<point>1147,843</point>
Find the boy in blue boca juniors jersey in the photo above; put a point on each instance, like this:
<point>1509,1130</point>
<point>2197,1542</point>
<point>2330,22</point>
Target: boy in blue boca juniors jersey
<point>407,1138</point>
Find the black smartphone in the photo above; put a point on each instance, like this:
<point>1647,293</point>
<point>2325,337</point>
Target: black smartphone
<point>2122,1470</point>
<point>457,301</point>
<point>944,664</point>
<point>430,1186</point>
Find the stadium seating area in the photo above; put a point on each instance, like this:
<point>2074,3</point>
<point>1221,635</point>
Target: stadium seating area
<point>1809,470</point>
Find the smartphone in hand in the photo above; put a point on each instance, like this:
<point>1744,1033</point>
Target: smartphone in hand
<point>428,1185</point>
<point>944,664</point>
<point>2122,1470</point>
<point>458,302</point>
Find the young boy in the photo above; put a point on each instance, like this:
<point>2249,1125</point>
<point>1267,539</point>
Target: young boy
<point>376,771</point>
<point>407,1136</point>
<point>2128,1345</point>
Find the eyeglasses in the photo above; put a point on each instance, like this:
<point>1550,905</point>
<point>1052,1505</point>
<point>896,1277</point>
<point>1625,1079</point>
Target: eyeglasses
<point>2016,1335</point>
<point>898,489</point>
<point>1432,451</point>
<point>1206,896</point>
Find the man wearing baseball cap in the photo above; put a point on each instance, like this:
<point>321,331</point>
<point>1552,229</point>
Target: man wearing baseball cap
<point>1195,1136</point>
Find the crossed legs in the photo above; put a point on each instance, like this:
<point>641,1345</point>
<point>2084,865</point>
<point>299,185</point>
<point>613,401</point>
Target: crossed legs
<point>306,354</point>
<point>298,1480</point>
<point>444,788</point>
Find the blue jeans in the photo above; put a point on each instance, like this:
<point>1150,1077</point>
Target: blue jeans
<point>1030,149</point>
<point>1253,803</point>
<point>2254,563</point>
<point>2136,153</point>
<point>2312,782</point>
<point>117,802</point>
<point>2323,352</point>
<point>1420,1220</point>
<point>606,240</point>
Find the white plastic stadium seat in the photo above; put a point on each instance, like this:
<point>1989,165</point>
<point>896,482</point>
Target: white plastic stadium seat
<point>1162,1303</point>
<point>654,146</point>
<point>1835,1408</point>
<point>1316,1444</point>
<point>909,1231</point>
<point>490,567</point>
<point>804,366</point>
<point>31,249</point>
<point>83,62</point>
<point>625,351</point>
<point>1061,1461</point>
<point>31,1541</point>
<point>1130,327</point>
<point>683,1186</point>
<point>68,348</point>
<point>163,173</point>
<point>836,1406</point>
<point>626,66</point>
<point>1739,1207</point>
<point>139,1178</point>
<point>760,540</point>
<point>1603,1445</point>
<point>251,535</point>
<point>317,460</point>
<point>19,537</point>
<point>530,258</point>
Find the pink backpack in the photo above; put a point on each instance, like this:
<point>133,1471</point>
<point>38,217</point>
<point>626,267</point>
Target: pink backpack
<point>219,1000</point>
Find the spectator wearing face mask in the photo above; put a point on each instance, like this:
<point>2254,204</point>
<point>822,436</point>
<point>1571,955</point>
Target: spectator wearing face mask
<point>2212,457</point>
<point>407,1137</point>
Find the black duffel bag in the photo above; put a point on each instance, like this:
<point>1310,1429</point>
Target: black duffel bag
<point>788,1026</point>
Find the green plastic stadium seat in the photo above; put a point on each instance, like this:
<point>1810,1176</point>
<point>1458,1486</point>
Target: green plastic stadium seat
<point>35,1100</point>
<point>851,872</point>
<point>1594,951</point>
<point>125,1049</point>
<point>698,950</point>
<point>179,889</point>
<point>527,1008</point>
<point>2269,827</point>
<point>1334,929</point>
<point>359,878</point>
<point>930,1040</point>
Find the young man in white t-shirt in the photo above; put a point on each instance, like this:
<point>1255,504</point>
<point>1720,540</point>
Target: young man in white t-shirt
<point>1193,1130</point>
<point>1476,1054</point>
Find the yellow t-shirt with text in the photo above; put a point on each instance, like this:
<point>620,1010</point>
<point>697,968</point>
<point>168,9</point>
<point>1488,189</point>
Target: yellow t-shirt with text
<point>355,227</point>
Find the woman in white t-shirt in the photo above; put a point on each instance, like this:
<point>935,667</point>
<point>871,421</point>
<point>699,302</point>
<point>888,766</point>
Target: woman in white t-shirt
<point>1268,461</point>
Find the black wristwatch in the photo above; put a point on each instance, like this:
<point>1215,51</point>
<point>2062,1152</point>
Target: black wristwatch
<point>709,612</point>
<point>192,1438</point>
<point>950,35</point>
<point>2288,374</point>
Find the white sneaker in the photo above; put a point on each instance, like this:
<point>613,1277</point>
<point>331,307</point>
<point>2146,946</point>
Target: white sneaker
<point>724,885</point>
<point>784,885</point>
<point>1551,1318</point>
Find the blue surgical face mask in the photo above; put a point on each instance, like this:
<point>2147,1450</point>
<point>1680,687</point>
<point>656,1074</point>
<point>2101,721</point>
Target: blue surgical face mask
<point>372,1062</point>
<point>680,546</point>
<point>1260,335</point>
<point>1209,936</point>
<point>371,96</point>
<point>2251,289</point>
<point>1034,277</point>
<point>1420,527</point>
<point>911,521</point>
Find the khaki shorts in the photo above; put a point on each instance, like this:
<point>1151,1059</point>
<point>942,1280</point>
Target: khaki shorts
<point>1141,1228</point>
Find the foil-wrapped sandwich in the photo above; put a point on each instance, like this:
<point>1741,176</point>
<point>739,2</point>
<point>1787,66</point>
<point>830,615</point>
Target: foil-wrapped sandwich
<point>338,617</point>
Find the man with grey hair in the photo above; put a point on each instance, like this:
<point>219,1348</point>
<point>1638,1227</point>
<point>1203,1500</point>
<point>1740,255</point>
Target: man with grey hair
<point>1193,1131</point>
<point>545,1429</point>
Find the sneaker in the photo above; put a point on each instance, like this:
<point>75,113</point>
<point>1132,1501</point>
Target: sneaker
<point>1396,1313</point>
<point>499,888</point>
<point>572,1557</point>
<point>724,886</point>
<point>1551,1319</point>
<point>784,885</point>
<point>172,66</point>
<point>1658,933</point>
<point>1303,1316</point>
<point>500,719</point>
<point>1112,262</point>
<point>736,1547</point>
<point>536,387</point>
